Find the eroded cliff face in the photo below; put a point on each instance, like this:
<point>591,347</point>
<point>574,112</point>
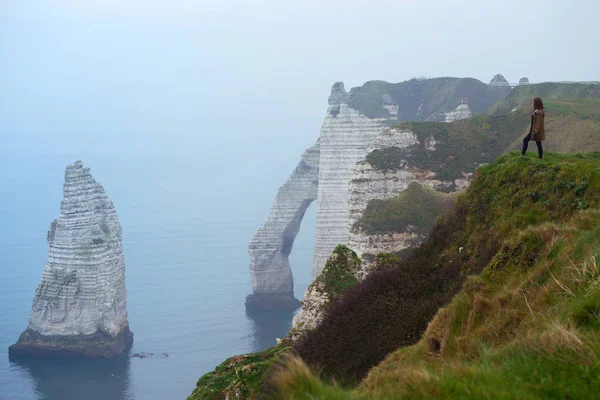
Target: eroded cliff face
<point>80,305</point>
<point>272,281</point>
<point>371,182</point>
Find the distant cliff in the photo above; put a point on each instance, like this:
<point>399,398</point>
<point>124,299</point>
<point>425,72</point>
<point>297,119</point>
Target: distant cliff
<point>80,306</point>
<point>352,129</point>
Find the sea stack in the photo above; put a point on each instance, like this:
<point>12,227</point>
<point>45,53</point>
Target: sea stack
<point>80,306</point>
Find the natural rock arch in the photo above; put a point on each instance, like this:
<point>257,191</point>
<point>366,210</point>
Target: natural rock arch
<point>269,249</point>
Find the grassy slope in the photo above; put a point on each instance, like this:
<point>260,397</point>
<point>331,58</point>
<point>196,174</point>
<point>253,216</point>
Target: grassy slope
<point>528,326</point>
<point>571,125</point>
<point>416,207</point>
<point>521,96</point>
<point>572,114</point>
<point>241,376</point>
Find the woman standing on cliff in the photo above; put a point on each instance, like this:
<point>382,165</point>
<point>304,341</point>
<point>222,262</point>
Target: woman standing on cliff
<point>536,130</point>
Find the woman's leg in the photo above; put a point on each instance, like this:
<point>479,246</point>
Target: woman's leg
<point>526,143</point>
<point>540,149</point>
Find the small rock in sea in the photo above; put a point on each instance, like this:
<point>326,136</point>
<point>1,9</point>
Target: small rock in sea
<point>141,355</point>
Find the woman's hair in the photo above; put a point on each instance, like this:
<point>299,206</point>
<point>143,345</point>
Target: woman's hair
<point>537,103</point>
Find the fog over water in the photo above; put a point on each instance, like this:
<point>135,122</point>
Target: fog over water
<point>192,114</point>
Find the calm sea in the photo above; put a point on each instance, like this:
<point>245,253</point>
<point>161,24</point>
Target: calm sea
<point>186,226</point>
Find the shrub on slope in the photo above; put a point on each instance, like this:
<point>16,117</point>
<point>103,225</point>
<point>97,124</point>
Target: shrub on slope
<point>391,308</point>
<point>416,207</point>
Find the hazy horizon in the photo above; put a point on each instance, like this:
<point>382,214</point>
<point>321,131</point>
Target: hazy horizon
<point>158,76</point>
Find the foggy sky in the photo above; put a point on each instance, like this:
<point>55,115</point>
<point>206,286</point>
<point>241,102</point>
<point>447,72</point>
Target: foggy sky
<point>185,76</point>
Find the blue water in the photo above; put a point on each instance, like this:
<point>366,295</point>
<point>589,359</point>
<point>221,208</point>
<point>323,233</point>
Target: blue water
<point>186,223</point>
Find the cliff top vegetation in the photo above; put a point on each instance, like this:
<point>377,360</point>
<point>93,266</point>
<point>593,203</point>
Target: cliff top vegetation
<point>572,124</point>
<point>416,207</point>
<point>520,314</point>
<point>520,97</point>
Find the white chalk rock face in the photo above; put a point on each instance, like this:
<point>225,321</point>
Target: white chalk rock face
<point>80,306</point>
<point>345,138</point>
<point>272,281</point>
<point>462,111</point>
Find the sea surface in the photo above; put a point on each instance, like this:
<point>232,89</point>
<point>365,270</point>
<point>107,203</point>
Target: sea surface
<point>187,219</point>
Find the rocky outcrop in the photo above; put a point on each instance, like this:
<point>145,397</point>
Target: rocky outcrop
<point>80,306</point>
<point>462,111</point>
<point>499,80</point>
<point>272,281</point>
<point>340,273</point>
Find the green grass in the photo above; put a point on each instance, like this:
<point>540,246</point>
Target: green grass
<point>521,97</point>
<point>243,376</point>
<point>527,326</point>
<point>339,273</point>
<point>581,108</point>
<point>460,146</point>
<point>521,372</point>
<point>416,207</point>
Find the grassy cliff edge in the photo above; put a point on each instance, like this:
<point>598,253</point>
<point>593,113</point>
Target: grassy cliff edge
<point>528,324</point>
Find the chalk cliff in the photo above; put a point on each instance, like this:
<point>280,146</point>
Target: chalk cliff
<point>80,306</point>
<point>345,138</point>
<point>350,131</point>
